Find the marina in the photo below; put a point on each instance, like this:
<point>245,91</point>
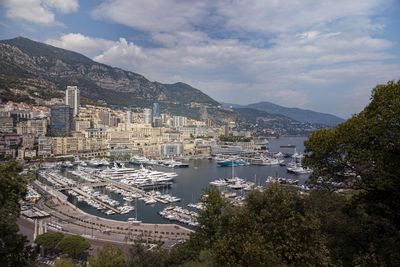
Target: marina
<point>124,182</point>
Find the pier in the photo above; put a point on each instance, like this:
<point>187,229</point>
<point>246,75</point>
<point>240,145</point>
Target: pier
<point>77,190</point>
<point>128,188</point>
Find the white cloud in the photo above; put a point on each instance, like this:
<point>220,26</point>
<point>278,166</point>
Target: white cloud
<point>82,44</point>
<point>233,71</point>
<point>38,11</point>
<point>225,15</point>
<point>153,15</point>
<point>321,55</point>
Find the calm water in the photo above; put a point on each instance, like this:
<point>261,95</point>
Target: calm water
<point>190,181</point>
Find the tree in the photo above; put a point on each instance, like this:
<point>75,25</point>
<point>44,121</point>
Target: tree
<point>74,245</point>
<point>211,220</point>
<point>14,250</point>
<point>49,241</point>
<point>212,217</point>
<point>139,256</point>
<point>108,256</point>
<point>364,151</point>
<point>275,227</point>
<point>64,262</point>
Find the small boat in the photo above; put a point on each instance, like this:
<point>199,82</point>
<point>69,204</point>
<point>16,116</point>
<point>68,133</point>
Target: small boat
<point>150,201</point>
<point>287,146</point>
<point>133,220</point>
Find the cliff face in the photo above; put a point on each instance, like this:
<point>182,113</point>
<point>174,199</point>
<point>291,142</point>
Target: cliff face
<point>24,58</point>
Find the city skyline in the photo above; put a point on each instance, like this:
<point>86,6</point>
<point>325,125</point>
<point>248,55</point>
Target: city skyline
<point>320,56</point>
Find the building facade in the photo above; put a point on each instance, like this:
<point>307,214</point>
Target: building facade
<point>72,98</point>
<point>129,116</point>
<point>147,116</point>
<point>6,125</point>
<point>171,150</point>
<point>37,127</point>
<point>61,120</point>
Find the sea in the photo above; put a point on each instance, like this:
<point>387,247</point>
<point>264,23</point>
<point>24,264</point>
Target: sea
<point>190,182</point>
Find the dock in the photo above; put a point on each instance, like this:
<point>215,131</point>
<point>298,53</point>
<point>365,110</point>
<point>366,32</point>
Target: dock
<point>129,188</point>
<point>106,181</point>
<point>77,190</point>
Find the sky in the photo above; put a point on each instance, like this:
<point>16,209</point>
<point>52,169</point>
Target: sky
<point>323,55</point>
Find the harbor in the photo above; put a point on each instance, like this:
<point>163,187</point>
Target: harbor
<point>172,186</point>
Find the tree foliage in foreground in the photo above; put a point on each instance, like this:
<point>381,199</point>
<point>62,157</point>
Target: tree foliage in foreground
<point>108,256</point>
<point>365,152</point>
<point>366,147</point>
<point>74,245</point>
<point>49,240</point>
<point>275,227</point>
<point>14,250</point>
<point>64,262</point>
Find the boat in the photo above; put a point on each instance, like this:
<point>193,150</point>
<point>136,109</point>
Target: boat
<point>133,220</point>
<point>231,162</point>
<point>150,201</point>
<point>94,163</point>
<point>219,182</point>
<point>67,164</point>
<point>287,146</point>
<point>140,160</point>
<point>109,212</point>
<point>299,170</point>
<point>273,161</point>
<point>173,163</point>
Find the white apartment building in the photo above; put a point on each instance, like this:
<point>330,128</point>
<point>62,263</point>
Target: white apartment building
<point>72,98</point>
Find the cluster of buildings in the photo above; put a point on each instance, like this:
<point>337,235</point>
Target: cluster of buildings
<point>66,128</point>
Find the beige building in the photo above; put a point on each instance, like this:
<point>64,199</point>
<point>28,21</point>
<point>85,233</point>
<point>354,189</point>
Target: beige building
<point>74,145</point>
<point>6,125</point>
<point>36,127</point>
<point>82,125</point>
<point>44,146</point>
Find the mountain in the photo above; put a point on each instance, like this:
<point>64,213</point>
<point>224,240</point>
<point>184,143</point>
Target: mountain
<point>33,72</point>
<point>34,66</point>
<point>263,123</point>
<point>302,115</point>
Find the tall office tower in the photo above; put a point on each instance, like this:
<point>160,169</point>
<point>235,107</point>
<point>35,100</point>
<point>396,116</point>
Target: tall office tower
<point>147,115</point>
<point>156,110</point>
<point>129,116</point>
<point>156,115</point>
<point>72,97</point>
<point>61,117</point>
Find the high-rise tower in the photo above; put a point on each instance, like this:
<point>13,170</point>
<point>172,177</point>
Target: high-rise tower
<point>147,115</point>
<point>61,120</point>
<point>72,98</point>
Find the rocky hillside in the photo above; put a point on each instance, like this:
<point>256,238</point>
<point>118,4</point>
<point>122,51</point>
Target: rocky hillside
<point>32,72</point>
<point>33,63</point>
